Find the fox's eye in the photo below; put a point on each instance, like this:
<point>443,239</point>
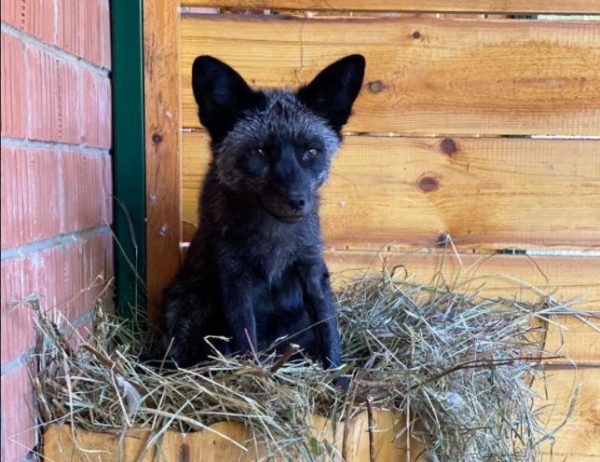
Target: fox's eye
<point>310,154</point>
<point>257,152</point>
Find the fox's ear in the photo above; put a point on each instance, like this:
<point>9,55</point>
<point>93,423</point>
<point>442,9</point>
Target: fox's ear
<point>332,92</point>
<point>221,93</point>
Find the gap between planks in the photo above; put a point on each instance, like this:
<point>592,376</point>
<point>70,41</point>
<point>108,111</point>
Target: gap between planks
<point>563,7</point>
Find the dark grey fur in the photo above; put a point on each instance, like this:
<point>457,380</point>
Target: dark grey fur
<point>254,271</point>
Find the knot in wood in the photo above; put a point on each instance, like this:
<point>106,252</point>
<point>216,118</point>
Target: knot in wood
<point>428,183</point>
<point>376,86</point>
<point>448,146</point>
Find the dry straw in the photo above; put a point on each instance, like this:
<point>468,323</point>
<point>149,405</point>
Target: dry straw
<point>456,367</point>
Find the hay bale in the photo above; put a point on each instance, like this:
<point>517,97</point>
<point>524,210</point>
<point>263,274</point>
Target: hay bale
<point>457,367</point>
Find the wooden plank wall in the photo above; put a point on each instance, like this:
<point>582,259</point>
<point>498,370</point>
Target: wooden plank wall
<point>483,128</point>
<point>431,6</point>
<point>428,186</point>
<point>424,75</point>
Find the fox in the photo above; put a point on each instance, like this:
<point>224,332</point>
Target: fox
<point>254,277</point>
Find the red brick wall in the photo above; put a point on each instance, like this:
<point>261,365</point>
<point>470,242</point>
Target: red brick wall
<point>56,181</point>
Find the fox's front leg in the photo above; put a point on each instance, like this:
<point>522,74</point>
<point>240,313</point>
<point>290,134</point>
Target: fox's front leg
<point>236,300</point>
<point>321,310</point>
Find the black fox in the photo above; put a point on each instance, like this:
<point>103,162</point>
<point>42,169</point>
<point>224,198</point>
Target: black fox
<point>254,271</point>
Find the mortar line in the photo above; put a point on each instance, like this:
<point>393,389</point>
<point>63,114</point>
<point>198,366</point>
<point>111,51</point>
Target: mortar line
<point>15,363</point>
<point>32,247</point>
<point>55,146</point>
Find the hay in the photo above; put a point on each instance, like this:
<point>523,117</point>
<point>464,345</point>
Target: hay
<point>457,367</point>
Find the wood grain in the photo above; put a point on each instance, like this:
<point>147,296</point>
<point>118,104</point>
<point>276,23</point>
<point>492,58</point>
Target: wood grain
<point>61,443</point>
<point>571,279</point>
<point>458,6</point>
<point>576,341</point>
<point>391,441</point>
<point>486,193</point>
<point>579,439</point>
<point>211,446</point>
<point>424,75</point>
<point>163,146</point>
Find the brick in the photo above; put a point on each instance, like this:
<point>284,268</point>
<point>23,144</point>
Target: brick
<point>93,269</point>
<point>96,109</point>
<point>12,84</point>
<point>53,98</point>
<point>66,277</point>
<point>18,418</point>
<point>36,17</point>
<point>98,266</point>
<point>70,13</point>
<point>29,196</point>
<point>72,275</point>
<point>105,34</point>
<point>19,280</point>
<point>84,29</point>
<point>109,189</point>
<point>85,191</point>
<point>61,279</point>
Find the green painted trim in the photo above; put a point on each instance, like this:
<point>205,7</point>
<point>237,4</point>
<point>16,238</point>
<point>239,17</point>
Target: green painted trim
<point>129,159</point>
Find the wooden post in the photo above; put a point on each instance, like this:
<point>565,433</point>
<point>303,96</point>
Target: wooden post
<point>163,146</point>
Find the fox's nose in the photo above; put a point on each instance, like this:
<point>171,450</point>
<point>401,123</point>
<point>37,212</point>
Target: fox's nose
<point>297,202</point>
